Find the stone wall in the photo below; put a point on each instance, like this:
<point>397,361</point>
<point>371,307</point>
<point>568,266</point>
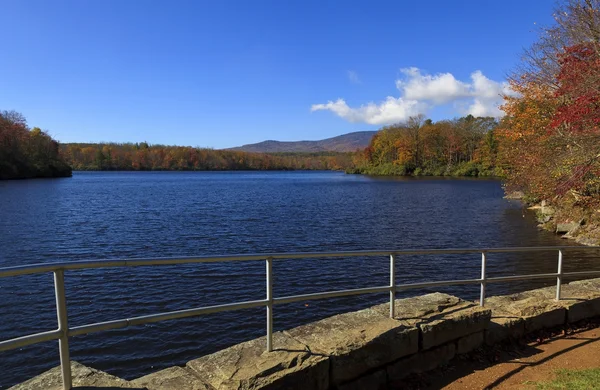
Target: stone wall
<point>364,349</point>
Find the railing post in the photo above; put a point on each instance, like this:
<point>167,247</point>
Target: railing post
<point>269,304</point>
<point>392,285</point>
<point>483,277</point>
<point>559,276</point>
<point>63,327</point>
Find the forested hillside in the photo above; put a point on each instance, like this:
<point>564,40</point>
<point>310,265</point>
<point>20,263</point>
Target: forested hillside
<point>27,153</point>
<point>142,156</point>
<point>350,142</point>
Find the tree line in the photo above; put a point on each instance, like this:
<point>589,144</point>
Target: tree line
<point>145,157</point>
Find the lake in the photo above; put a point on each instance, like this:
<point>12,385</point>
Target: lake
<point>96,215</point>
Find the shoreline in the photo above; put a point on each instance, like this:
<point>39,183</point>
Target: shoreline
<point>575,223</point>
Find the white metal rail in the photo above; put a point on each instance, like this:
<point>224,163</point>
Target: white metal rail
<point>63,332</point>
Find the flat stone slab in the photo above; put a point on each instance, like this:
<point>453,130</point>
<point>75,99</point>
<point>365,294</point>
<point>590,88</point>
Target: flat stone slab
<point>357,342</point>
<point>440,317</point>
<point>537,309</point>
<point>83,377</point>
<point>172,378</point>
<point>291,365</point>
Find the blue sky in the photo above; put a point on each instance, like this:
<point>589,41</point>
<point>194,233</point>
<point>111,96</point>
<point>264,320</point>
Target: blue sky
<point>225,73</point>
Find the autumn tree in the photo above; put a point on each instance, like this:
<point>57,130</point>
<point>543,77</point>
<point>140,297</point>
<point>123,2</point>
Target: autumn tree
<point>27,153</point>
<point>550,140</point>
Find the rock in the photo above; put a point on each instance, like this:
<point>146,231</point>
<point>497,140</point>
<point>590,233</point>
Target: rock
<point>469,343</point>
<point>514,195</point>
<point>248,366</point>
<point>504,328</point>
<point>421,362</point>
<point>567,227</point>
<point>357,342</point>
<point>83,376</point>
<point>171,378</point>
<point>374,381</point>
<point>440,317</point>
<point>547,210</point>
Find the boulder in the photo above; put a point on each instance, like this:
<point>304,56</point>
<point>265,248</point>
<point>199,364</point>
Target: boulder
<point>291,365</point>
<point>566,227</point>
<point>357,342</point>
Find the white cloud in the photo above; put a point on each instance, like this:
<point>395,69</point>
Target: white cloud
<point>440,88</point>
<point>389,111</point>
<point>420,92</point>
<point>353,77</point>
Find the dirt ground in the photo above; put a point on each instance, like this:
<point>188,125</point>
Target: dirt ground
<point>518,365</point>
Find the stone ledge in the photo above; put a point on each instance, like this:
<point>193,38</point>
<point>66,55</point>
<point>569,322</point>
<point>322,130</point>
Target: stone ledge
<point>441,318</point>
<point>536,311</point>
<point>360,350</point>
<point>357,342</point>
<point>249,366</point>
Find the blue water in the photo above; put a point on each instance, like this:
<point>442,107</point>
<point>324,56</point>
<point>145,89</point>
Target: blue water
<point>143,214</point>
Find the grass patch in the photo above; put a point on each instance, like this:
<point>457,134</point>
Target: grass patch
<point>573,380</point>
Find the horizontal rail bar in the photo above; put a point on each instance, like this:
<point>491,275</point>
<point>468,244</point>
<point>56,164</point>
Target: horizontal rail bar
<point>581,273</point>
<point>98,327</point>
<point>331,294</point>
<point>133,321</point>
<point>92,264</point>
<point>520,277</point>
<point>411,286</point>
<point>29,339</point>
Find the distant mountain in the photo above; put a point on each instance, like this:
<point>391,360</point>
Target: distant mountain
<point>343,143</point>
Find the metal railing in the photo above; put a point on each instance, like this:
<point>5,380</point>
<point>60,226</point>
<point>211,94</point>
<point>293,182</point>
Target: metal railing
<point>63,332</point>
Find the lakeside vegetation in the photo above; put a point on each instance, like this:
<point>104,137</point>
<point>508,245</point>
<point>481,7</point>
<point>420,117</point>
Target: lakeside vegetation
<point>28,153</point>
<point>551,132</point>
<point>460,147</point>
